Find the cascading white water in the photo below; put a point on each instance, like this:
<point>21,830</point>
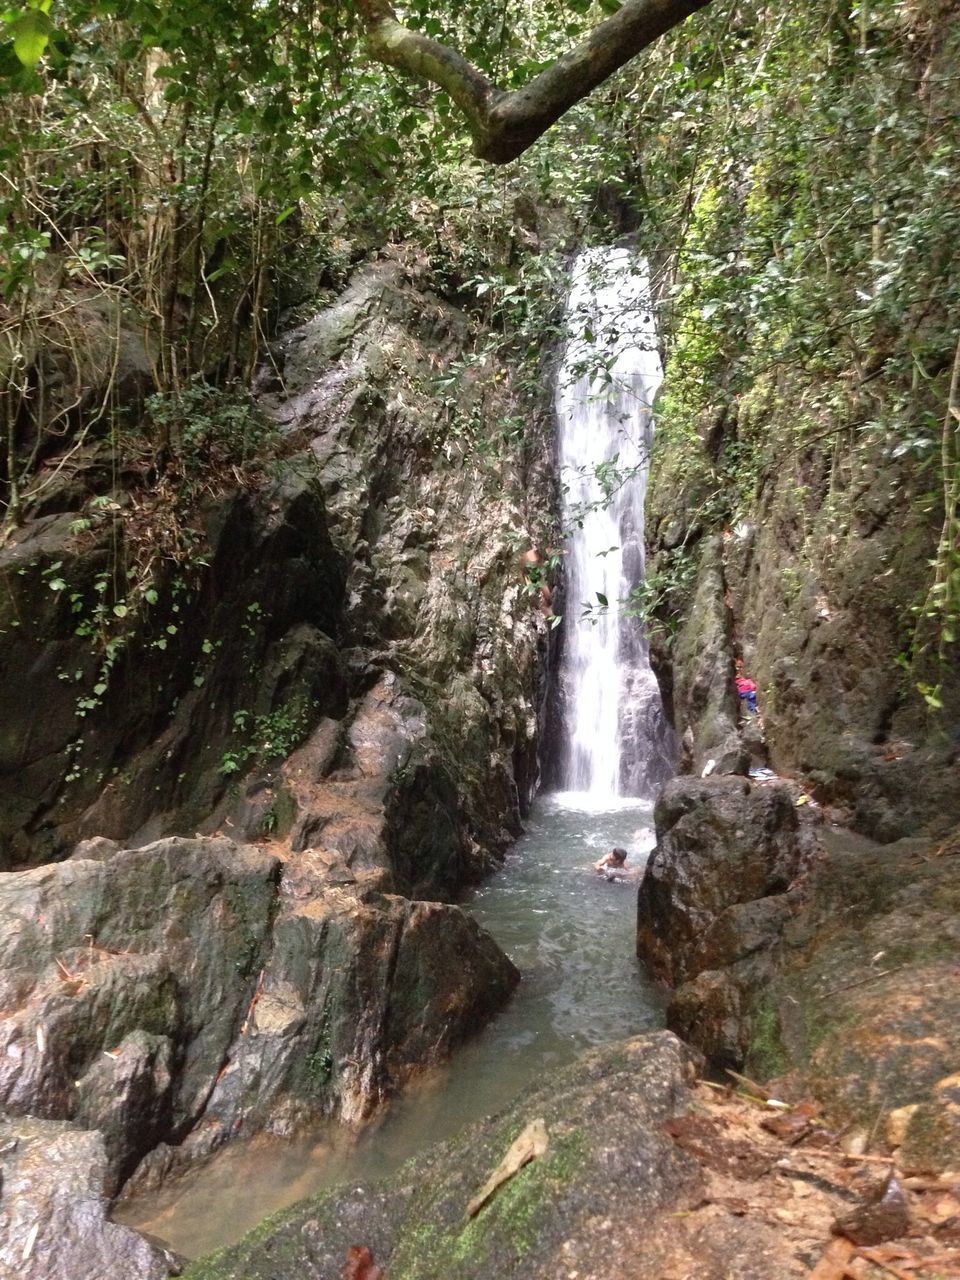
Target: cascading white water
<point>616,740</point>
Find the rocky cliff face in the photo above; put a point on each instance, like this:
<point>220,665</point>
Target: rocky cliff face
<point>815,584</point>
<point>805,952</point>
<point>330,699</point>
<point>382,543</point>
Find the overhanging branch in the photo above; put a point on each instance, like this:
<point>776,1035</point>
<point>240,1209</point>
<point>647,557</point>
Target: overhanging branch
<point>504,125</point>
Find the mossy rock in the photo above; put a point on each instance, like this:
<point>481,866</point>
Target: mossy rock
<point>604,1118</point>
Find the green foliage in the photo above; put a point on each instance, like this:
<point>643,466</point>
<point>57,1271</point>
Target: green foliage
<point>270,736</point>
<point>660,600</point>
<point>209,427</point>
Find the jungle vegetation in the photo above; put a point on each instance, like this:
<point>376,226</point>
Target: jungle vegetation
<point>175,176</point>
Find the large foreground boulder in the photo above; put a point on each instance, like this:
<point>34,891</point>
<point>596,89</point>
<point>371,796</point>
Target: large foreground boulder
<point>606,1149</point>
<point>618,1166</point>
<point>53,1210</point>
<point>191,990</point>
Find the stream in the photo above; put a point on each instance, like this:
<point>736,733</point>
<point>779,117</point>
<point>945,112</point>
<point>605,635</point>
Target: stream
<point>570,932</point>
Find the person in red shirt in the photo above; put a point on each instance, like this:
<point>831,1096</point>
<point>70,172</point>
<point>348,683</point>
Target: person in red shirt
<point>746,689</point>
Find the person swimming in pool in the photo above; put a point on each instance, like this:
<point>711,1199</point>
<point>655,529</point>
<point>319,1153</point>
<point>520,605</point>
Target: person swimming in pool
<point>611,864</point>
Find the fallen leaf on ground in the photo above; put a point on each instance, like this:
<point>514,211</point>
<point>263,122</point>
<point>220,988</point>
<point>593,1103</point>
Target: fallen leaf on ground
<point>833,1264</point>
<point>360,1265</point>
<point>531,1143</point>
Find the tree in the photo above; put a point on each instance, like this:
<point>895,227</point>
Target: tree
<point>503,125</point>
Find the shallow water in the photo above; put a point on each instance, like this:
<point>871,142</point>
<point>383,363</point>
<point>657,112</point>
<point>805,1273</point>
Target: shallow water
<point>569,931</point>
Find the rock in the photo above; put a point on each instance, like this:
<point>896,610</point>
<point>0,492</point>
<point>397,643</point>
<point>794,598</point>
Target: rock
<point>897,1122</point>
<point>716,894</point>
<point>708,1011</point>
<point>360,991</point>
<point>245,631</point>
<point>382,559</point>
<point>932,1137</point>
<point>199,987</point>
<point>53,1211</point>
<point>634,1171</point>
<point>603,1118</point>
<point>815,582</point>
<point>123,984</point>
<point>347,670</point>
<point>713,889</point>
<point>704,697</point>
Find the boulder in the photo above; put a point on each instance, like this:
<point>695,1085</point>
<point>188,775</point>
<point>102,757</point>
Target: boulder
<point>124,982</point>
<point>191,990</point>
<point>53,1210</point>
<point>716,894</point>
<point>359,992</point>
<point>619,1165</point>
<point>606,1150</point>
<point>713,890</point>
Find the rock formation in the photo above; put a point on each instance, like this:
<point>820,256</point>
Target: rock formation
<point>253,770</point>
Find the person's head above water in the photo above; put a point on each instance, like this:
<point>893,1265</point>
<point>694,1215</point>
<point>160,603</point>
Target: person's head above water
<point>620,855</point>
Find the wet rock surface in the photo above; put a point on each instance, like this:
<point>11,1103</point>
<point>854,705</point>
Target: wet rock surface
<point>646,1173</point>
<point>197,989</point>
<point>813,580</point>
<point>605,1148</point>
<point>53,1210</point>
<point>141,752</point>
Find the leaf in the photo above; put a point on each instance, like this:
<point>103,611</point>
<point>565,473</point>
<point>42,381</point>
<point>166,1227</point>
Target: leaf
<point>360,1265</point>
<point>31,34</point>
<point>602,599</point>
<point>284,215</point>
<point>532,1142</point>
<point>120,610</point>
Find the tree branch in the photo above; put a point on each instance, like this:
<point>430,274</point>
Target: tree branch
<point>503,125</point>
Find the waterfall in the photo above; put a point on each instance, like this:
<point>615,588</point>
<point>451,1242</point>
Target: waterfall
<point>615,739</point>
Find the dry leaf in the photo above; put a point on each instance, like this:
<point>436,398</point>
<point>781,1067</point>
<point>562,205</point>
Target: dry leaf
<point>531,1143</point>
<point>833,1264</point>
<point>360,1265</point>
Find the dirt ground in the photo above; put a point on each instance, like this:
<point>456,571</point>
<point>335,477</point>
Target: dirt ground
<point>830,1210</point>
